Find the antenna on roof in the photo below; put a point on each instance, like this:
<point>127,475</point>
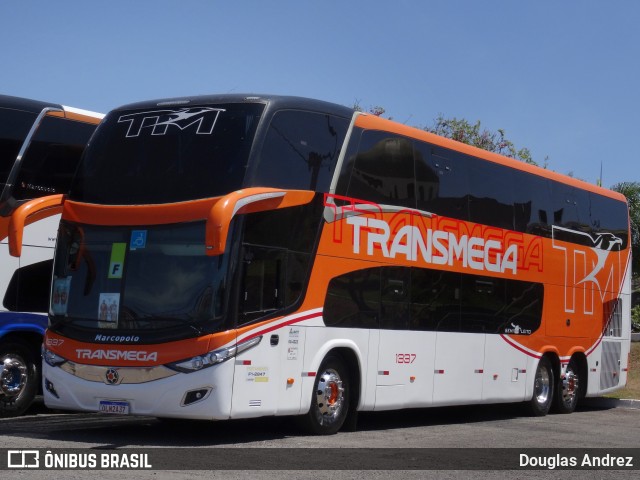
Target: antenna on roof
<point>600,179</point>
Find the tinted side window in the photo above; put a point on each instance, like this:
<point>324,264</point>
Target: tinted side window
<point>523,308</point>
<point>383,171</point>
<point>483,301</point>
<point>395,296</point>
<point>300,151</point>
<point>430,300</point>
<point>353,300</point>
<point>52,158</point>
<point>344,176</point>
<point>435,300</point>
<point>427,178</point>
<point>609,216</point>
<point>571,207</point>
<point>491,194</point>
<point>28,290</point>
<point>275,262</point>
<point>14,127</point>
<point>533,206</point>
<point>263,282</point>
<point>443,181</point>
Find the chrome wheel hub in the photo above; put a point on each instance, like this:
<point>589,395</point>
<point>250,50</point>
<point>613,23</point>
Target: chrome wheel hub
<point>329,396</point>
<point>13,377</point>
<point>570,384</point>
<point>542,386</point>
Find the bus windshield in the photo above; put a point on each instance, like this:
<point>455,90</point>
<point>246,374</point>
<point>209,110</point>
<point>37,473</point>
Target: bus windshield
<point>167,154</point>
<point>153,281</point>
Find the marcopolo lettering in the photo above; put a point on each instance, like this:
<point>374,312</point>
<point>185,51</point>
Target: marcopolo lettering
<point>131,355</point>
<point>433,246</point>
<point>116,338</point>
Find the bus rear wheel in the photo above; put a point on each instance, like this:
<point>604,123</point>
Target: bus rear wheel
<point>18,378</point>
<point>543,388</point>
<point>329,399</point>
<point>569,387</point>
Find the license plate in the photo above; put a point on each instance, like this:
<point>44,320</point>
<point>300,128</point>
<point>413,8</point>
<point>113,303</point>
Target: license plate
<point>114,407</point>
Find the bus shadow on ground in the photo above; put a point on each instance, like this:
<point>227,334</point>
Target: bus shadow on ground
<point>106,432</point>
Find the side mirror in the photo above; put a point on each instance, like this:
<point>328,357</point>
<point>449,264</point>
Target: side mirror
<point>249,200</point>
<point>28,213</point>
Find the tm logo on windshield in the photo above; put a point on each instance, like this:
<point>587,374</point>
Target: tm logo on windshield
<point>157,122</point>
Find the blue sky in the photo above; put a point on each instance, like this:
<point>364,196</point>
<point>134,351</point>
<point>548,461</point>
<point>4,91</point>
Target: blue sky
<point>560,77</point>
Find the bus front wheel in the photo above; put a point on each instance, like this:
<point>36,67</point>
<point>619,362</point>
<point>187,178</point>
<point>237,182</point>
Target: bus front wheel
<point>543,388</point>
<point>18,378</point>
<point>329,398</point>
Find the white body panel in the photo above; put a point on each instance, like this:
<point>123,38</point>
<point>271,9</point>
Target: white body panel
<point>276,377</point>
<point>161,398</point>
<point>405,369</point>
<point>458,368</point>
<point>506,371</point>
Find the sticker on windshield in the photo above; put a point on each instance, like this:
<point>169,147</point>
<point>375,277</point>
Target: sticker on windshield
<point>108,310</point>
<point>157,122</point>
<point>138,239</point>
<point>60,297</point>
<point>116,264</point>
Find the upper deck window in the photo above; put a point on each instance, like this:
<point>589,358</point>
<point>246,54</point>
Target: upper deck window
<point>15,125</point>
<point>167,154</point>
<point>300,151</point>
<point>52,158</point>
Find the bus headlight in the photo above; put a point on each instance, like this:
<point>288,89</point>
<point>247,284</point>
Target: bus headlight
<point>213,358</point>
<point>52,359</point>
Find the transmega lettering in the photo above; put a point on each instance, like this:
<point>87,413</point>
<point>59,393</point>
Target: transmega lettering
<point>405,234</point>
<point>131,355</point>
<point>437,247</point>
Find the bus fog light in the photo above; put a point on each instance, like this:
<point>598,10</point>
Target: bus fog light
<point>48,385</point>
<point>193,396</point>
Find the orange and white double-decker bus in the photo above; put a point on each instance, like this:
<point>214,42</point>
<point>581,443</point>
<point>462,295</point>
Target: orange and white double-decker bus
<point>239,256</point>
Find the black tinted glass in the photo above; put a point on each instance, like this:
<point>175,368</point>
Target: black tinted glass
<point>14,127</point>
<point>383,171</point>
<point>164,155</point>
<point>571,207</point>
<point>395,296</point>
<point>275,262</point>
<point>353,300</point>
<point>300,151</point>
<point>491,193</point>
<point>609,216</point>
<point>533,204</point>
<point>52,157</point>
<point>443,176</point>
<point>29,287</point>
<point>430,300</point>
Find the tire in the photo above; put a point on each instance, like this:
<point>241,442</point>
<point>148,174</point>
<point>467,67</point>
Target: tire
<point>568,389</point>
<point>543,388</point>
<point>19,376</point>
<point>329,399</point>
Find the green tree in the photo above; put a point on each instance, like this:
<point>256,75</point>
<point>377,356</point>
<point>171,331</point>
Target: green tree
<point>631,190</point>
<point>377,110</point>
<point>464,131</point>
